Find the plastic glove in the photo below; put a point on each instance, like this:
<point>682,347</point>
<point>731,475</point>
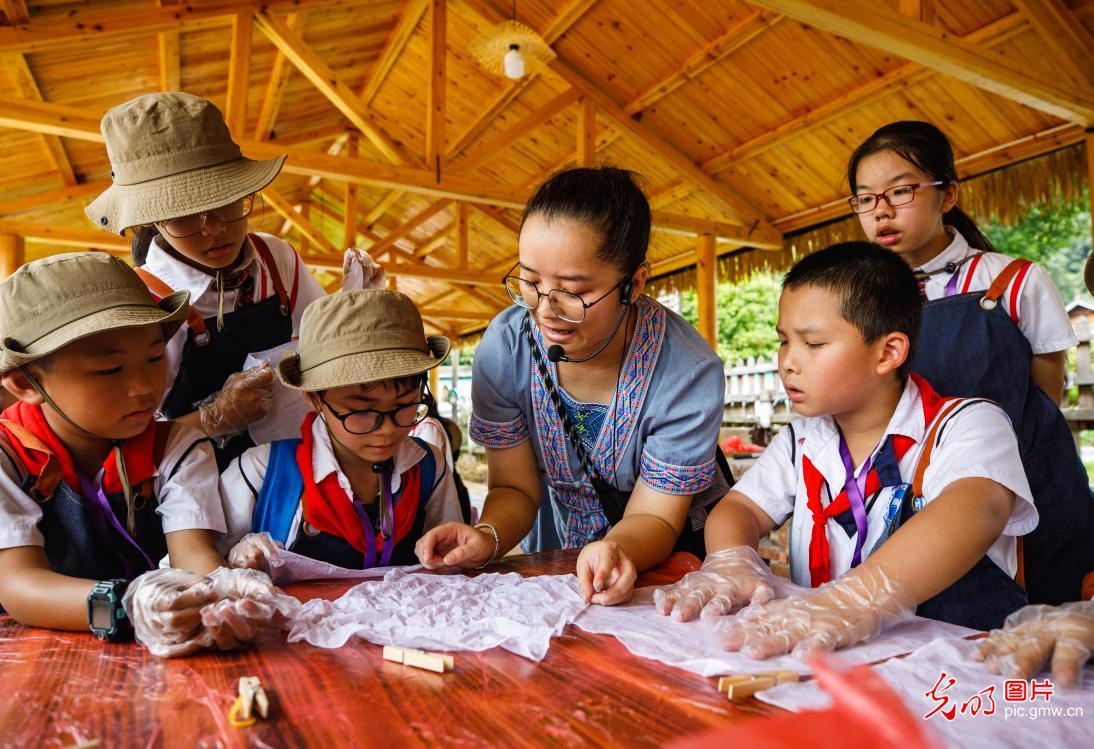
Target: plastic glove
<point>244,397</point>
<point>729,579</point>
<point>256,551</point>
<point>360,271</point>
<point>838,614</point>
<point>1033,634</point>
<point>164,607</point>
<point>605,574</point>
<point>238,584</point>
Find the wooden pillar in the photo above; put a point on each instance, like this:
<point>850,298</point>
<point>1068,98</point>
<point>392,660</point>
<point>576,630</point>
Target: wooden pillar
<point>435,94</point>
<point>461,234</point>
<point>435,381</point>
<point>586,133</point>
<point>349,232</point>
<point>455,384</point>
<point>12,254</point>
<point>705,283</point>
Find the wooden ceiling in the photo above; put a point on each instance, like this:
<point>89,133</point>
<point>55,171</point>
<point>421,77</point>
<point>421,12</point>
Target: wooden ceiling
<point>740,115</point>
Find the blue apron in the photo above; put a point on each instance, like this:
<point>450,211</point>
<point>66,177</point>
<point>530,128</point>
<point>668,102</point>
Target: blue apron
<point>967,350</point>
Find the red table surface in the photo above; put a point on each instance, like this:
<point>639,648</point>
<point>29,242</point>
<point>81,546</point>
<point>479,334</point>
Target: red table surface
<point>58,689</point>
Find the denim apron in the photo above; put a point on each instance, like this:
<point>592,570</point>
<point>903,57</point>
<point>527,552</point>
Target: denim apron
<point>969,346</point>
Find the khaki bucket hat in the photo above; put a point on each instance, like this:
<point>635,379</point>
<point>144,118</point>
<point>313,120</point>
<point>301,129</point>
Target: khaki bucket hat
<point>171,155</point>
<point>48,304</point>
<point>357,337</point>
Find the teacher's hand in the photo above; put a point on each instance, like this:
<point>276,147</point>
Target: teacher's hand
<point>455,545</point>
<point>605,573</point>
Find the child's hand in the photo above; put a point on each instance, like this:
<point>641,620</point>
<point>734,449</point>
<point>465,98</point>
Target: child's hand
<point>729,579</point>
<point>360,271</point>
<point>164,607</point>
<point>1033,634</point>
<point>256,551</point>
<point>839,614</point>
<point>605,573</point>
<point>245,397</point>
<point>455,545</point>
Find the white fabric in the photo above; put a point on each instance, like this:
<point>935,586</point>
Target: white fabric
<point>203,292</point>
<point>692,646</point>
<point>978,441</point>
<point>242,480</point>
<point>1042,317</point>
<point>188,498</point>
<point>290,567</point>
<point>446,612</point>
<point>288,407</point>
<point>915,676</point>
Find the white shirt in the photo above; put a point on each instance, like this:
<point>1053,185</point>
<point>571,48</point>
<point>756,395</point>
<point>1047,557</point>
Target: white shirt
<point>300,285</point>
<point>1037,305</point>
<point>185,485</point>
<point>977,441</point>
<point>242,480</point>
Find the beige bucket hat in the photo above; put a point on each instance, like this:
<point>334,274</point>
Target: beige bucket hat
<point>171,155</point>
<point>357,337</point>
<point>49,303</point>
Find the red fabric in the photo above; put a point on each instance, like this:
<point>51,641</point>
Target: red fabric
<point>1016,288</point>
<point>819,558</point>
<point>327,507</point>
<point>137,452</point>
<point>968,276</point>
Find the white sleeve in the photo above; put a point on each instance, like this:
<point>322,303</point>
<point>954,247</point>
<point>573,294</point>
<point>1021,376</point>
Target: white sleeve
<point>239,487</point>
<point>1042,317</point>
<point>433,432</point>
<point>772,483</point>
<point>19,514</point>
<point>443,505</point>
<point>978,442</point>
<point>186,485</point>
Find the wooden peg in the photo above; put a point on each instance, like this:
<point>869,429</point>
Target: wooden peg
<point>725,682</point>
<point>784,677</point>
<point>428,661</point>
<point>393,653</point>
<point>749,688</point>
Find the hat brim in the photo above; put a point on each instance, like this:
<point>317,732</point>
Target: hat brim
<point>122,207</point>
<point>361,368</point>
<point>171,312</point>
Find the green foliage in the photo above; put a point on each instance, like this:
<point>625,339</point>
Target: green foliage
<point>747,313</point>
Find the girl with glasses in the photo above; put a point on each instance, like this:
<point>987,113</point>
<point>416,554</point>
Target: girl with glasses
<point>599,409</point>
<point>993,326</point>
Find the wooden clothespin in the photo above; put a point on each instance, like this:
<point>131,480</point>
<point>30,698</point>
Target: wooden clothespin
<point>252,698</point>
<point>419,659</point>
<point>745,685</point>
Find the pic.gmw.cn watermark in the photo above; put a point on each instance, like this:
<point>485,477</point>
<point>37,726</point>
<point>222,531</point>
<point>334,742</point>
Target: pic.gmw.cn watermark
<point>1021,698</point>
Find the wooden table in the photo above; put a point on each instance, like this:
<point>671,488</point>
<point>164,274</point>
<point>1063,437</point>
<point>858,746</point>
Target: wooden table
<point>59,689</point>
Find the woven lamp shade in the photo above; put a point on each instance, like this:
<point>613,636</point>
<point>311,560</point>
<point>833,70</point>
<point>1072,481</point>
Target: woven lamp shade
<point>489,48</point>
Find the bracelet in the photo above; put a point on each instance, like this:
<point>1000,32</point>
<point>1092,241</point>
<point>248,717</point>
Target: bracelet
<point>497,543</point>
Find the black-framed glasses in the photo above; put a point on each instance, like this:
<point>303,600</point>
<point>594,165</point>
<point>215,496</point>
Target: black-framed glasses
<point>567,306</point>
<point>897,195</point>
<point>188,226</point>
<point>369,420</point>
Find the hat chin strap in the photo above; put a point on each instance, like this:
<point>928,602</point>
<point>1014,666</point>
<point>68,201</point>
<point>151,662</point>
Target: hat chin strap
<point>119,459</point>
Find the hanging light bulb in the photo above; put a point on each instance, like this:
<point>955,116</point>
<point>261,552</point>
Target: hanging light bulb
<point>514,62</point>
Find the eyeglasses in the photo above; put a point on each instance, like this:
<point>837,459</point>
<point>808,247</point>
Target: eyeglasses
<point>569,307</point>
<point>369,420</point>
<point>864,202</point>
<point>188,226</point>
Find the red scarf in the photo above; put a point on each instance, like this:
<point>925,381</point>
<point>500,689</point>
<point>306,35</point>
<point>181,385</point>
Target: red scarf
<point>51,458</point>
<point>327,507</point>
<point>819,559</point>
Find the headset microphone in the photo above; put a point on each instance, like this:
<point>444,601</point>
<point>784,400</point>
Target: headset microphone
<point>556,353</point>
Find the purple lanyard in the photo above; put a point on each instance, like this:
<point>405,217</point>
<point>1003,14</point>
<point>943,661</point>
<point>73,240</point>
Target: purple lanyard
<point>856,488</point>
<point>88,488</point>
<point>951,285</point>
<point>387,522</point>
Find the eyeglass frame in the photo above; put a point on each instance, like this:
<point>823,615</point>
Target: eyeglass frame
<point>426,400</point>
<point>879,196</point>
<point>205,218</point>
<point>585,305</point>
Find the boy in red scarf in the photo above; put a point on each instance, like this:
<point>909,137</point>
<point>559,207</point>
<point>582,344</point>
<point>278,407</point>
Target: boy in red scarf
<point>355,490</point>
<point>901,499</point>
<point>93,491</point>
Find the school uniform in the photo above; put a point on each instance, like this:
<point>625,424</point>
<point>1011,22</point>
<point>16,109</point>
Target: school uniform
<point>296,491</point>
<point>802,475</point>
<point>986,316</point>
<point>81,521</point>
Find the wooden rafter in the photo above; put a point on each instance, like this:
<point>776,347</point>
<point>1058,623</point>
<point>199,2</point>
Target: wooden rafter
<point>277,83</point>
<point>390,198</point>
<point>53,197</point>
<point>28,87</point>
<point>349,211</point>
<point>499,217</point>
<point>586,133</point>
<point>15,11</point>
<point>167,52</point>
<point>1065,36</point>
<point>920,10</point>
<point>285,208</point>
<point>435,89</point>
<point>412,13</point>
<point>66,236</point>
<point>239,68</point>
<point>408,226</point>
<point>875,25</point>
<point>462,245</point>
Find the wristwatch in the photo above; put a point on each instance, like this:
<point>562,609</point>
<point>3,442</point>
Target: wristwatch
<point>105,613</point>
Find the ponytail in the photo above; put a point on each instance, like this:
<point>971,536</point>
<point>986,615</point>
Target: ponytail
<point>968,229</point>
<point>141,241</point>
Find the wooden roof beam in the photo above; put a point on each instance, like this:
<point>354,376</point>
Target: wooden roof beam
<point>15,11</point>
<point>277,83</point>
<point>312,66</point>
<point>412,13</point>
<point>285,209</point>
<point>51,197</point>
<point>875,25</point>
<point>28,87</point>
<point>89,238</point>
<point>167,52</point>
<point>1064,34</point>
<point>435,100</point>
<point>498,217</point>
<point>586,133</point>
<point>920,10</point>
<point>239,67</point>
<point>378,250</point>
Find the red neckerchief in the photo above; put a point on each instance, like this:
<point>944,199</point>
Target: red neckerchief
<point>327,508</point>
<point>137,451</point>
<point>819,560</point>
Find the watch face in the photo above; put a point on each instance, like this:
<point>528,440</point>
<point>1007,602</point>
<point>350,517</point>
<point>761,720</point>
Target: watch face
<point>100,614</point>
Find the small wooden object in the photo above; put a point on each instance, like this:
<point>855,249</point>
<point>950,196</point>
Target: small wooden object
<point>251,696</point>
<point>419,658</point>
<point>745,685</point>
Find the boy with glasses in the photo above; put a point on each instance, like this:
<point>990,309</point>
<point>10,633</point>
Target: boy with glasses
<point>355,490</point>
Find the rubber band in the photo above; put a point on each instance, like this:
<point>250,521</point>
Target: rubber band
<point>233,712</point>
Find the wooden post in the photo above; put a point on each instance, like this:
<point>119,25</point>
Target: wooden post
<point>349,232</point>
<point>705,283</point>
<point>586,133</point>
<point>435,381</point>
<point>455,385</point>
<point>435,103</point>
<point>12,254</point>
<point>461,234</point>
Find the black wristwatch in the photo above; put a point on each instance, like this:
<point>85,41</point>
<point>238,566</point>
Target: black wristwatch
<point>105,613</point>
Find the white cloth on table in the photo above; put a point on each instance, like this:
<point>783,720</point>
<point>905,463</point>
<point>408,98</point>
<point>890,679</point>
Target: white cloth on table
<point>446,612</point>
<point>291,567</point>
<point>914,678</point>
